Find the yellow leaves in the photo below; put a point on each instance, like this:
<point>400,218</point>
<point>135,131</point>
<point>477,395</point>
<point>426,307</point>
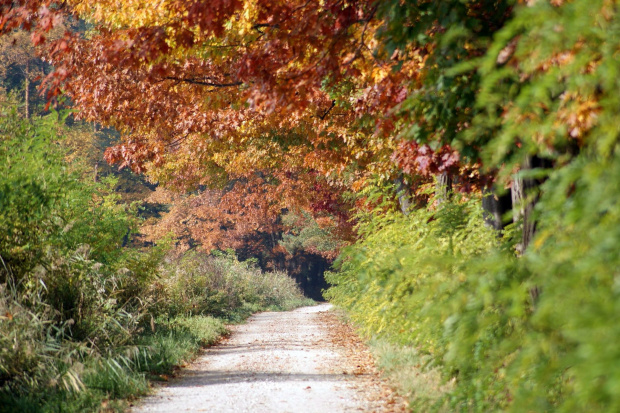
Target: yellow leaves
<point>225,90</point>
<point>124,14</point>
<point>369,148</point>
<point>377,74</point>
<point>578,113</point>
<point>358,185</point>
<point>247,18</point>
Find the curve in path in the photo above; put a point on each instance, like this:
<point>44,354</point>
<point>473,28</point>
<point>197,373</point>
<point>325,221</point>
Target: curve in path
<point>277,362</point>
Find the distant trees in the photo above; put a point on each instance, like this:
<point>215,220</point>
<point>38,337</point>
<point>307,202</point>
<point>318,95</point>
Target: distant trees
<point>18,56</point>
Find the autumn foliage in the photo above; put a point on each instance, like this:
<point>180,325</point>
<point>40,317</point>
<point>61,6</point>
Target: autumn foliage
<point>257,108</point>
<point>265,104</point>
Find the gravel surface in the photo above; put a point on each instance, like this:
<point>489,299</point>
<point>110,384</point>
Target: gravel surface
<point>278,362</point>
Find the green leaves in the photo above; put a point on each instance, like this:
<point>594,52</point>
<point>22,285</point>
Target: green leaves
<point>31,178</point>
<point>546,85</point>
<point>442,282</point>
<point>45,203</point>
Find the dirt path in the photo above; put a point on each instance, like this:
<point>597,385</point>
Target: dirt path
<point>296,361</point>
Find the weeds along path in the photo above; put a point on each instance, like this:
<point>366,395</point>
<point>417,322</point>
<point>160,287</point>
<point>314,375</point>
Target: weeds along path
<point>297,361</point>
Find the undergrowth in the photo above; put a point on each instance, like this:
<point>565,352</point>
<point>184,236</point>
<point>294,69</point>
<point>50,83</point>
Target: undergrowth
<point>104,382</point>
<point>414,375</point>
<point>185,308</point>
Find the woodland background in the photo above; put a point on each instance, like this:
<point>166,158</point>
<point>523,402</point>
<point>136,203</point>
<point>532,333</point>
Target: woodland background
<point>456,161</point>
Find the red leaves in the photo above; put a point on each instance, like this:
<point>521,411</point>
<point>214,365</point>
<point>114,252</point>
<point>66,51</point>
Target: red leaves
<point>37,38</point>
<point>190,99</point>
<point>133,155</point>
<point>416,159</point>
<point>210,17</point>
<point>326,200</point>
<point>345,16</point>
<point>47,19</point>
<point>421,161</point>
<point>28,15</point>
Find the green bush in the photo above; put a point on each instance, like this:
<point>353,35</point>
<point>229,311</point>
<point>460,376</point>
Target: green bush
<point>222,286</point>
<point>48,210</point>
<point>63,272</point>
<point>442,283</point>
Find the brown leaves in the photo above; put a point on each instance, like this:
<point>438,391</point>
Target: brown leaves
<point>131,155</point>
<point>362,364</point>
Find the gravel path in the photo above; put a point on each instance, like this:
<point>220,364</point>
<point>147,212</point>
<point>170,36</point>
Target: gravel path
<point>277,362</point>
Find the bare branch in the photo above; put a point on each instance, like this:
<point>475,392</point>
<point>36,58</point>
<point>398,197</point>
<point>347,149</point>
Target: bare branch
<point>203,82</point>
<point>324,115</point>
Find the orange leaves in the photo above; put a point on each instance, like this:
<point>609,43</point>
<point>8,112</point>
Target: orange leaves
<point>131,155</point>
<point>578,113</point>
<point>136,77</point>
<point>27,15</point>
<point>263,100</point>
<point>37,38</point>
<point>227,218</point>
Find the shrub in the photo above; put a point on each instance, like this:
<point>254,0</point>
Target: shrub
<point>442,283</point>
<point>222,286</point>
<point>64,278</point>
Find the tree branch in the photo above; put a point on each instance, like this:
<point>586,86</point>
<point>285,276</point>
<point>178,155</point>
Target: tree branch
<point>178,141</point>
<point>203,82</point>
<point>322,117</point>
<point>362,43</point>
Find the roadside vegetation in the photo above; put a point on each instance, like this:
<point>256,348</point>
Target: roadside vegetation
<point>87,319</point>
<point>509,292</point>
<point>444,295</point>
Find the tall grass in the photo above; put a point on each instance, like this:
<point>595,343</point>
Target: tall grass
<point>222,286</point>
<point>44,368</point>
<point>413,374</point>
<point>105,382</point>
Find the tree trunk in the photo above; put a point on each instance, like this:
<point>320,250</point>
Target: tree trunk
<point>495,207</point>
<point>27,89</point>
<point>492,209</point>
<point>524,198</point>
<point>405,198</point>
<point>516,192</point>
<point>443,187</point>
<point>525,195</point>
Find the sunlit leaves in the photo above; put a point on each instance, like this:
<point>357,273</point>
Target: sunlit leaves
<point>554,93</point>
